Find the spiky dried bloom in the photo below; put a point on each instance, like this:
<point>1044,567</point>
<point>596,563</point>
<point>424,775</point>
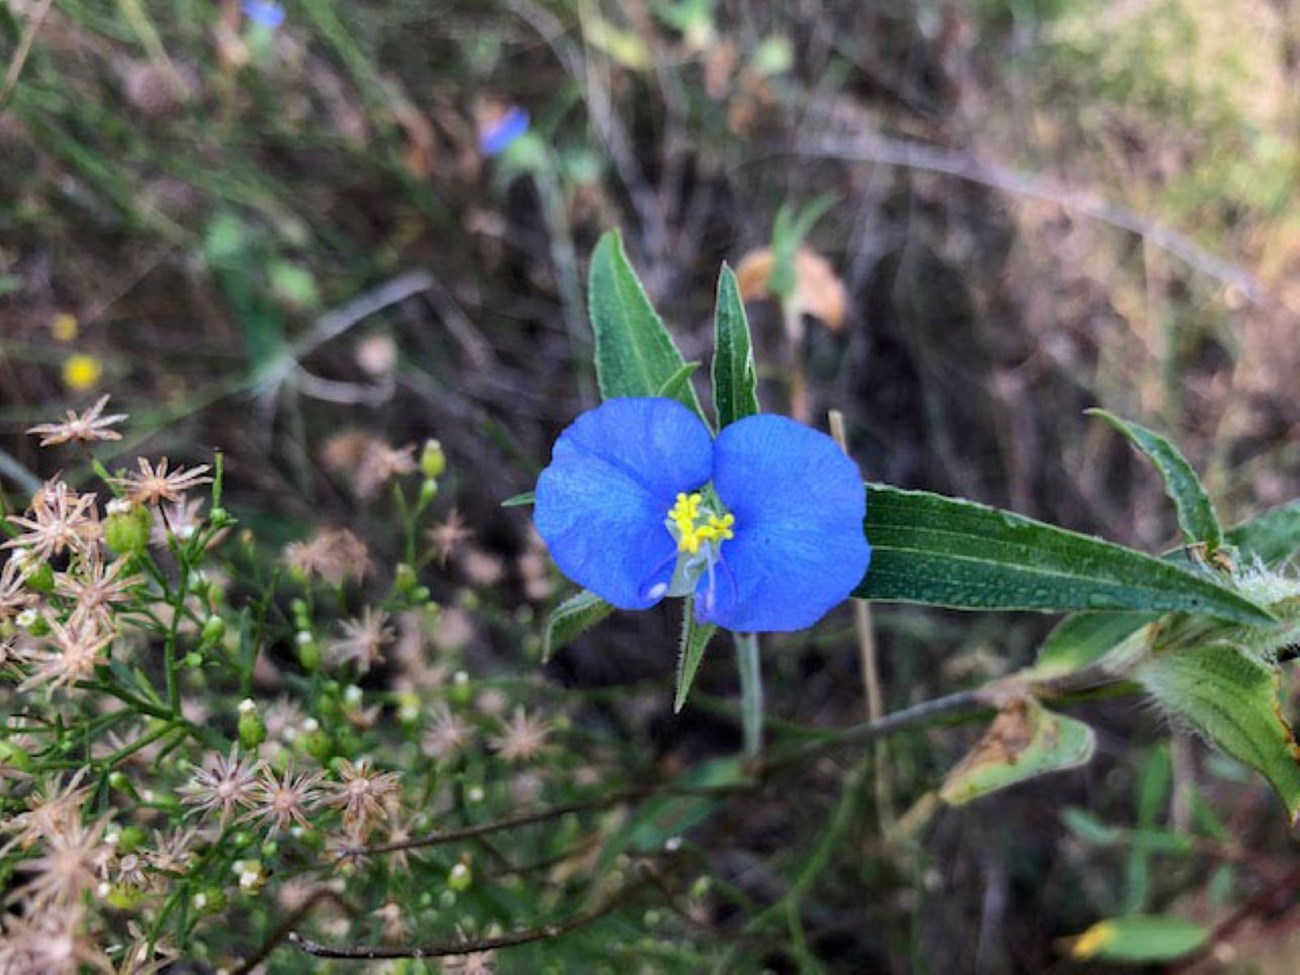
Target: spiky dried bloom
<point>363,640</point>
<point>59,520</point>
<point>70,866</point>
<point>284,801</point>
<point>449,535</point>
<point>362,793</point>
<point>179,520</point>
<point>145,955</point>
<point>284,718</point>
<point>334,555</point>
<point>367,462</point>
<point>52,808</point>
<point>14,594</point>
<point>95,588</point>
<point>72,654</point>
<point>448,734</point>
<point>522,738</point>
<point>224,783</point>
<point>152,485</point>
<point>50,942</point>
<point>171,854</point>
<point>87,428</point>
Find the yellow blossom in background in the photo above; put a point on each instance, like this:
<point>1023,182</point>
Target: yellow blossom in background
<point>64,327</point>
<point>82,372</point>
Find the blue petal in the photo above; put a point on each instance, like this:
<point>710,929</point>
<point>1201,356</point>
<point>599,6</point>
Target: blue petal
<point>799,503</point>
<point>601,504</point>
<point>496,139</point>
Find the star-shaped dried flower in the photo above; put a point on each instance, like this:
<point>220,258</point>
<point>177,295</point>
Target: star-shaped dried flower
<point>60,519</point>
<point>94,587</point>
<point>362,793</point>
<point>284,801</point>
<point>77,648</point>
<point>363,640</point>
<point>224,783</point>
<point>86,428</point>
<point>523,737</point>
<point>153,485</point>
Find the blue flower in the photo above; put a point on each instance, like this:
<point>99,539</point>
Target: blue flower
<point>762,525</point>
<point>496,138</point>
<point>264,13</point>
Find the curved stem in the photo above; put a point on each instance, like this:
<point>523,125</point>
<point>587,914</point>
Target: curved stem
<point>751,692</point>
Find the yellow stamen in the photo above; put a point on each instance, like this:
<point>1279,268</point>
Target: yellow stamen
<point>685,516</point>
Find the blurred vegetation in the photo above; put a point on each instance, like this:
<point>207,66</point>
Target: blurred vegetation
<point>263,237</point>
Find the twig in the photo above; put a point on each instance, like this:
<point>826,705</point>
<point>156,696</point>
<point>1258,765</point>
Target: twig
<point>284,929</point>
<point>886,151</point>
<point>444,949</point>
<point>870,664</point>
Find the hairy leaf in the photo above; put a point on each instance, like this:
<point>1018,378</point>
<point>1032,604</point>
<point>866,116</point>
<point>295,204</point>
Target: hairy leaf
<point>735,381</point>
<point>1196,516</point>
<point>573,617</point>
<point>635,356</point>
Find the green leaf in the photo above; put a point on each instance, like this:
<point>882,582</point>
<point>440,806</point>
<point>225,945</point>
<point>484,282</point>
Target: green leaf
<point>1088,828</point>
<point>668,815</point>
<point>1024,741</point>
<point>678,381</point>
<point>1196,515</point>
<point>1231,699</point>
<point>520,500</point>
<point>735,382</point>
<point>788,233</point>
<point>573,617</point>
<point>695,640</point>
<point>1084,638</point>
<point>1272,537</point>
<point>1140,938</point>
<point>634,354</point>
<point>950,552</point>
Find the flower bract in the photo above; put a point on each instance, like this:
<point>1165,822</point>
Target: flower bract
<point>762,525</point>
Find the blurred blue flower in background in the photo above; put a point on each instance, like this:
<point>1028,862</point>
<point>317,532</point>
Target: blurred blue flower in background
<point>495,138</point>
<point>263,13</point>
<point>762,525</point>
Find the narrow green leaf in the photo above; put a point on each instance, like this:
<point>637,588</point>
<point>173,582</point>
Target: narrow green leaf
<point>520,500</point>
<point>951,552</point>
<point>1140,938</point>
<point>735,381</point>
<point>1272,537</point>
<point>695,640</point>
<point>1024,741</point>
<point>573,617</point>
<point>1088,828</point>
<point>1084,638</point>
<point>665,815</point>
<point>1231,699</point>
<point>1196,515</point>
<point>678,381</point>
<point>635,356</point>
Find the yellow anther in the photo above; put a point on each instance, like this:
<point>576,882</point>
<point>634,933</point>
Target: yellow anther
<point>685,516</point>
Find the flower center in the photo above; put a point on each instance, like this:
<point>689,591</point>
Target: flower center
<point>693,524</point>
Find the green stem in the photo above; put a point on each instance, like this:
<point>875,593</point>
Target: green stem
<point>751,692</point>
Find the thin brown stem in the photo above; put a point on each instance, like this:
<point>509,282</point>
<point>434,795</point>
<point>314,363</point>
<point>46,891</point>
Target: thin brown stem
<point>870,666</point>
<point>445,949</point>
